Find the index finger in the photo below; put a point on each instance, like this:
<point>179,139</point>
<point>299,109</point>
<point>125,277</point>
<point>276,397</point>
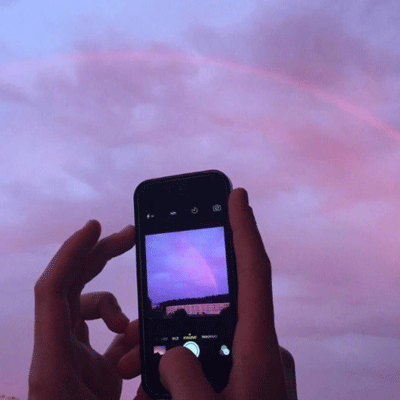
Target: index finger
<point>52,340</point>
<point>65,265</point>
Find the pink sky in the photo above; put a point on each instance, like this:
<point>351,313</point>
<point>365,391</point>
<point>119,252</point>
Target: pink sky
<point>299,105</point>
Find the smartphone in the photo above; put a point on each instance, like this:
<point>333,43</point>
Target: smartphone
<point>186,274</point>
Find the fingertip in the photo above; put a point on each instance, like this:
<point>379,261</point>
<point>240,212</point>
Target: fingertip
<point>107,308</point>
<point>113,246</point>
<point>119,323</point>
<point>127,237</point>
<point>93,223</point>
<point>92,231</point>
<point>129,365</point>
<point>131,333</point>
<point>242,194</point>
<point>127,228</point>
<point>123,323</point>
<point>172,357</point>
<point>141,394</point>
<point>239,210</point>
<point>182,375</point>
<point>130,232</point>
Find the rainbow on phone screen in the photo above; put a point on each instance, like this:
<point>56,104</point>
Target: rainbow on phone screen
<point>187,270</point>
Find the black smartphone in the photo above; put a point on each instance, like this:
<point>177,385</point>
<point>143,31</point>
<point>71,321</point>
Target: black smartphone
<point>186,274</point>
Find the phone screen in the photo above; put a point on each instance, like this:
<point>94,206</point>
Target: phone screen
<point>186,273</point>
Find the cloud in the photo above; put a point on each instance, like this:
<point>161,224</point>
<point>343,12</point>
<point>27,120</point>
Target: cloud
<point>6,3</point>
<point>314,46</point>
<point>10,93</point>
<point>364,366</point>
<point>109,91</point>
<point>116,112</point>
<point>269,102</point>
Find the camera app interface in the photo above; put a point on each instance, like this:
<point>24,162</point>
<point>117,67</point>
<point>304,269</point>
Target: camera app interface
<point>188,294</point>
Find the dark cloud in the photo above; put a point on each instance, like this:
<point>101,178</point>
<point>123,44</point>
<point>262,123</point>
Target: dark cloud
<point>314,46</point>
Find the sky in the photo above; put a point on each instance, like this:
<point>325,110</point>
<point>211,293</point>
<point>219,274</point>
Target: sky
<point>298,102</point>
<point>186,264</point>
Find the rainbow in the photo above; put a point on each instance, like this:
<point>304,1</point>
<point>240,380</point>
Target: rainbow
<point>184,58</point>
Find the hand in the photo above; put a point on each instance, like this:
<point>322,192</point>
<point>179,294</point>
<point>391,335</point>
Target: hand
<point>261,368</point>
<point>64,365</point>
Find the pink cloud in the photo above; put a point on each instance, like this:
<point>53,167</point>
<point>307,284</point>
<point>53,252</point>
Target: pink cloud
<point>277,116</point>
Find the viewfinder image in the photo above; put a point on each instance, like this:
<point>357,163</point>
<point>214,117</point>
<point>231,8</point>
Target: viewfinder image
<point>161,350</point>
<point>187,273</point>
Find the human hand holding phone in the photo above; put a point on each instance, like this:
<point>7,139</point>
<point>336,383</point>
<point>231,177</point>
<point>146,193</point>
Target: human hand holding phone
<point>261,368</point>
<point>64,365</point>
<point>257,371</point>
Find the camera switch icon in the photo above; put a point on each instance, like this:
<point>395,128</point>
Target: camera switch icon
<point>224,351</point>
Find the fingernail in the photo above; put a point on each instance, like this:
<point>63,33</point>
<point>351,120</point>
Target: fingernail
<point>89,222</point>
<point>126,228</point>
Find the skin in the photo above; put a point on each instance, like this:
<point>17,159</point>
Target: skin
<point>65,366</point>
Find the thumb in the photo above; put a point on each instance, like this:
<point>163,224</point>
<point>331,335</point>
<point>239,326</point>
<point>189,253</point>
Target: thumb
<point>182,375</point>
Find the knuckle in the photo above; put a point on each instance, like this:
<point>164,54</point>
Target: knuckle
<point>44,288</point>
<point>109,296</point>
<point>99,296</point>
<point>37,288</point>
<point>111,299</point>
<point>101,300</point>
<point>40,289</point>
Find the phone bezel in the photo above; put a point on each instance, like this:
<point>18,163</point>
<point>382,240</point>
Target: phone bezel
<point>140,257</point>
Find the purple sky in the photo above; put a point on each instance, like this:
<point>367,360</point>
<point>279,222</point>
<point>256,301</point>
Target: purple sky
<point>186,264</point>
<point>298,102</point>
